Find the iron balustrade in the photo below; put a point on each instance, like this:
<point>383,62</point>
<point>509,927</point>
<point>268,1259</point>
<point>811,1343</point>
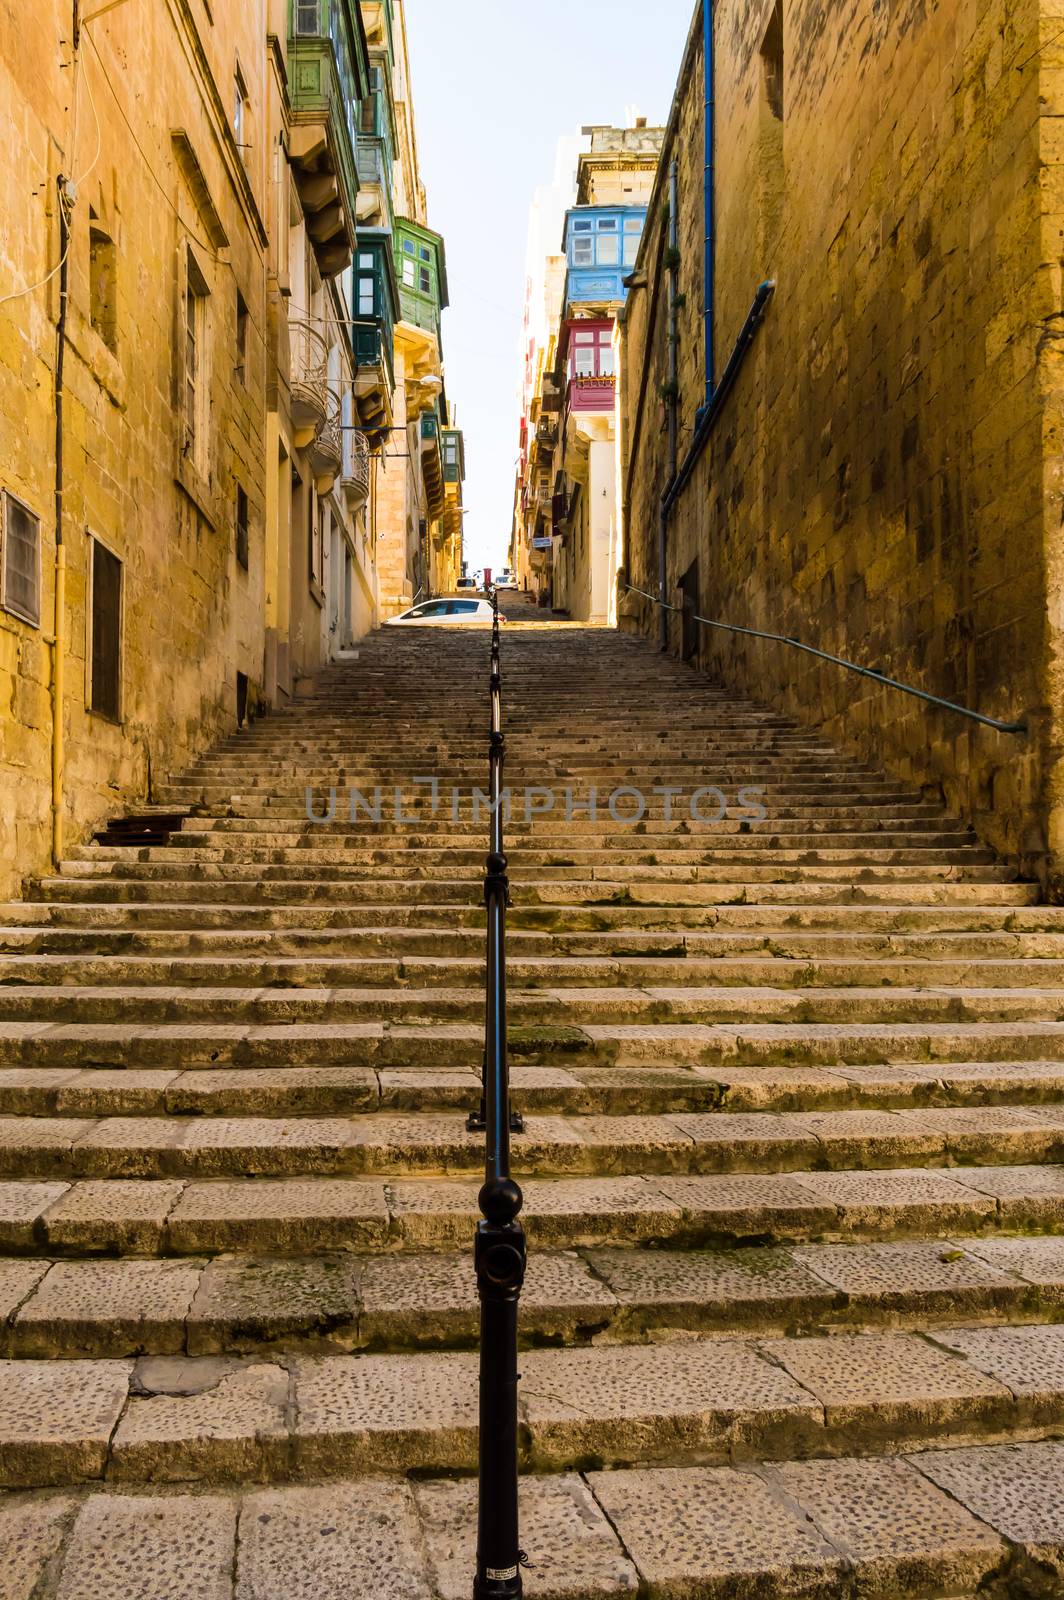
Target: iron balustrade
<point>839,661</point>
<point>500,1240</point>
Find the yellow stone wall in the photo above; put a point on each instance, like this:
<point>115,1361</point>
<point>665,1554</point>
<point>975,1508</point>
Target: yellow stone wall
<point>885,480</point>
<point>192,616</point>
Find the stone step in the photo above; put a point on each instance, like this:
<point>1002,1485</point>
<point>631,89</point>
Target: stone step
<point>99,941</point>
<point>244,1305</point>
<point>304,1216</point>
<point>959,1520</point>
<point>334,867</point>
<point>314,851</point>
<point>289,887</point>
<point>258,1144</point>
<point>40,952</point>
<point>562,836</point>
<point>223,1420</point>
<point>291,812</point>
<point>75,1091</point>
<point>758,921</point>
<point>56,1004</point>
<point>137,1043</point>
<point>542,969</point>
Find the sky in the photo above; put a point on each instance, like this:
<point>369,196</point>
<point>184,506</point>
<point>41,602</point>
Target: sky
<point>495,85</point>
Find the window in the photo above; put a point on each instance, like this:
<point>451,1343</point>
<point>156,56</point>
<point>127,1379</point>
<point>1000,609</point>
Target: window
<point>426,281</point>
<point>772,62</point>
<point>196,395</point>
<point>105,696</point>
<point>408,274</point>
<point>604,241</point>
<point>366,284</point>
<point>242,526</point>
<point>463,608</point>
<point>241,112</point>
<point>103,312</point>
<point>21,534</point>
<point>434,608</point>
<point>408,246</point>
<point>308,18</point>
<point>583,364</point>
<point>240,366</point>
<point>583,245</point>
<point>591,352</point>
<point>426,253</point>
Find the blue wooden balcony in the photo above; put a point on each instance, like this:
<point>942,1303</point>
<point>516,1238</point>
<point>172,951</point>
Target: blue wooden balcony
<point>601,244</point>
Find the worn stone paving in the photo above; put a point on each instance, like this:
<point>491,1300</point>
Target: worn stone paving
<point>794,1098</point>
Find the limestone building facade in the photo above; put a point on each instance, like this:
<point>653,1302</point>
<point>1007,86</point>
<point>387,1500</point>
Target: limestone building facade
<point>195,506</point>
<point>869,458</point>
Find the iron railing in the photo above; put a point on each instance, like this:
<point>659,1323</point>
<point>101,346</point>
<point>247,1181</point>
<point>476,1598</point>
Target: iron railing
<point>500,1240</point>
<point>839,661</point>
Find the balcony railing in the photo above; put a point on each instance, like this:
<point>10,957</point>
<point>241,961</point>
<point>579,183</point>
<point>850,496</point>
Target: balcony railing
<point>356,466</point>
<point>308,376</point>
<point>326,452</point>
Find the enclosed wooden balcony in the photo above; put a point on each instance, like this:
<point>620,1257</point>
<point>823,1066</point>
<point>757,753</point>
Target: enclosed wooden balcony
<point>432,464</point>
<point>372,343</point>
<point>328,75</point>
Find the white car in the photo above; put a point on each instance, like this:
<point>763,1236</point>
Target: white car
<point>446,610</point>
<point>506,580</point>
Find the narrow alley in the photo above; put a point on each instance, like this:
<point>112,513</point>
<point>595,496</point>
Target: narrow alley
<point>791,1103</point>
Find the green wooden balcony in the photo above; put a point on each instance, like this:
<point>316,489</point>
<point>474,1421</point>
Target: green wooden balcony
<point>328,76</point>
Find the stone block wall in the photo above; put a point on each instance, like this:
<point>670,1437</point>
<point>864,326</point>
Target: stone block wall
<point>884,481</point>
<point>192,616</point>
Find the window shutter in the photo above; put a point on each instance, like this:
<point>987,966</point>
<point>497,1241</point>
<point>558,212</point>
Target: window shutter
<point>22,561</point>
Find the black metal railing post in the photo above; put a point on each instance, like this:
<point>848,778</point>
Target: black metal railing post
<point>500,1241</point>
<point>476,1122</point>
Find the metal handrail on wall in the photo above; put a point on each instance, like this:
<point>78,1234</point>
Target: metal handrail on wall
<point>839,661</point>
<point>500,1241</point>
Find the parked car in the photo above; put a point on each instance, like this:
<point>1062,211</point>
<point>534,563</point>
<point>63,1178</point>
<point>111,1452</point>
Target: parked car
<point>467,583</point>
<point>444,610</point>
<point>506,580</point>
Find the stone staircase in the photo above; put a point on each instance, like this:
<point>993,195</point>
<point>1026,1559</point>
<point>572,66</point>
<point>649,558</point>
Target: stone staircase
<point>794,1100</point>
